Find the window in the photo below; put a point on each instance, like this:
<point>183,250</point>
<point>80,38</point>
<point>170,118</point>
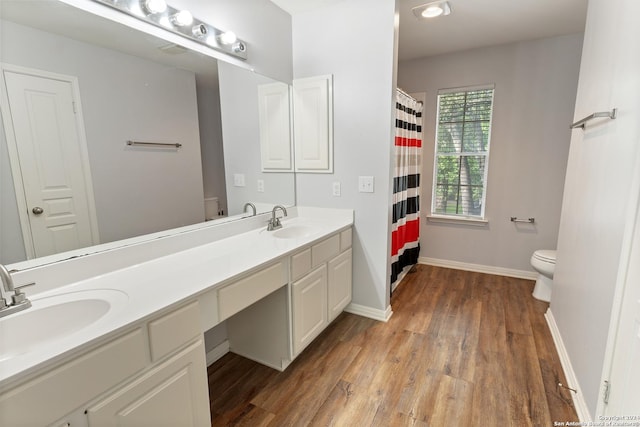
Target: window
<point>462,152</point>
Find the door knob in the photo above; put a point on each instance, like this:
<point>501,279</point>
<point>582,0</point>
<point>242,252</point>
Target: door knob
<point>37,210</point>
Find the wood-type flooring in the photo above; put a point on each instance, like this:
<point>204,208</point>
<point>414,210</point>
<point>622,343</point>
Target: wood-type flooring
<point>461,349</point>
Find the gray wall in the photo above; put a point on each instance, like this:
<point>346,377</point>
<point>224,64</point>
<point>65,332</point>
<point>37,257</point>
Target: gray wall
<point>123,98</point>
<point>264,26</point>
<point>360,55</point>
<point>535,89</point>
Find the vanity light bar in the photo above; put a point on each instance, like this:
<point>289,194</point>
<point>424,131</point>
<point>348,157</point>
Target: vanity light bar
<point>181,22</point>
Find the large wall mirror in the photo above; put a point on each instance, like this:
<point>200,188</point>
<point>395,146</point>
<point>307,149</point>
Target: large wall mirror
<point>123,85</point>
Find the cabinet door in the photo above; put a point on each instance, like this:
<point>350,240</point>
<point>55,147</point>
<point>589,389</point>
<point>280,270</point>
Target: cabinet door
<point>175,393</point>
<point>309,304</point>
<point>339,283</point>
<point>313,124</point>
<point>275,132</point>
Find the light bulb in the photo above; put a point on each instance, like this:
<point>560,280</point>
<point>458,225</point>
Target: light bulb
<point>228,38</point>
<point>182,18</point>
<point>155,6</point>
<point>433,11</point>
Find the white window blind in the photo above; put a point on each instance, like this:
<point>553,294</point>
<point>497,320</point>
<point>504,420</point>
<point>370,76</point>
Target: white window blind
<point>462,152</point>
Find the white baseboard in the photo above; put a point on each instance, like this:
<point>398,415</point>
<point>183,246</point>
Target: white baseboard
<point>217,352</point>
<point>371,313</point>
<point>479,268</point>
<point>578,398</point>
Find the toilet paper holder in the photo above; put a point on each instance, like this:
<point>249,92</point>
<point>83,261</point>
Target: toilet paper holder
<point>528,220</point>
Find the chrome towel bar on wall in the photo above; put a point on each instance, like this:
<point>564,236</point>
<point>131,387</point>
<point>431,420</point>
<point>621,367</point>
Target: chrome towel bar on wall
<point>608,114</point>
<point>155,144</point>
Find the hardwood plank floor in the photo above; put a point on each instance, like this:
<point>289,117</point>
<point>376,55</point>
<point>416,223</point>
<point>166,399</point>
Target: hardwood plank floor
<point>462,348</point>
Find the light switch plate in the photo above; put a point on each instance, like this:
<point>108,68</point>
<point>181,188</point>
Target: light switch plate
<point>238,180</point>
<point>365,184</point>
<point>336,189</point>
<point>261,186</point>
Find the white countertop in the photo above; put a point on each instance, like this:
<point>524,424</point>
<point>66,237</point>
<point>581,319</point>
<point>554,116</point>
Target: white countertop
<point>157,284</point>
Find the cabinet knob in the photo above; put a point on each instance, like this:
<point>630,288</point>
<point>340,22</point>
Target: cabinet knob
<point>37,210</point>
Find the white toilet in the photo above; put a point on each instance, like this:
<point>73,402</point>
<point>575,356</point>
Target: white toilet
<point>544,262</point>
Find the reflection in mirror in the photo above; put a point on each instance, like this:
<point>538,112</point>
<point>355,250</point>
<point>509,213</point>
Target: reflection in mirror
<point>122,85</point>
<point>245,178</point>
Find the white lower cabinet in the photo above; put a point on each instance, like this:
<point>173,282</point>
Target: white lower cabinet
<point>171,394</point>
<point>339,283</point>
<point>322,294</point>
<point>309,306</point>
<point>154,374</point>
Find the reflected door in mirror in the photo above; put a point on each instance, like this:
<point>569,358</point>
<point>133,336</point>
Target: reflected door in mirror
<point>57,212</point>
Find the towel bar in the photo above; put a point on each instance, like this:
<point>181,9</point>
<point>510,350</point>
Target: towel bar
<point>581,123</point>
<point>528,220</point>
<point>155,144</point>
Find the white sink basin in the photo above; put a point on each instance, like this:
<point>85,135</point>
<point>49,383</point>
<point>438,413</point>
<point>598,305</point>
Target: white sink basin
<point>54,318</point>
<point>293,232</point>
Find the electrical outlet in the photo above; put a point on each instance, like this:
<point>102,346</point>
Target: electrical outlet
<point>336,189</point>
<point>365,184</point>
<point>261,186</point>
<point>238,180</point>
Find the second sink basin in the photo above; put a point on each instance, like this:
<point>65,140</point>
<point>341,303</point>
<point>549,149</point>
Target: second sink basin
<point>55,317</point>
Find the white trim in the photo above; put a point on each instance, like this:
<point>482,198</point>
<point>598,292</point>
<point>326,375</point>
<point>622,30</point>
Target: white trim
<point>478,268</point>
<point>449,219</point>
<point>217,352</point>
<point>371,313</point>
<point>578,398</point>
<point>14,158</point>
<point>466,88</point>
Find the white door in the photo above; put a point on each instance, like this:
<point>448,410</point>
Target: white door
<point>624,381</point>
<point>46,138</point>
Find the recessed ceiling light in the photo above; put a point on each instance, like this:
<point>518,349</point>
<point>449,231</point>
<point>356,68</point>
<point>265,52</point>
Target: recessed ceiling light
<point>432,10</point>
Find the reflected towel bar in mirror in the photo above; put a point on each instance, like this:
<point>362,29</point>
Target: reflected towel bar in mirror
<point>154,144</point>
<point>608,114</point>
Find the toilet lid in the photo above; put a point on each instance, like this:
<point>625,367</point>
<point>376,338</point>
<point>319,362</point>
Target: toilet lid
<point>547,255</point>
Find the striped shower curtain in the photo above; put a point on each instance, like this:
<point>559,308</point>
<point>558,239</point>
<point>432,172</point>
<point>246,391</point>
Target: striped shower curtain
<point>405,235</point>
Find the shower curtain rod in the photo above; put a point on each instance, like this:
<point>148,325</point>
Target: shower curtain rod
<point>407,95</point>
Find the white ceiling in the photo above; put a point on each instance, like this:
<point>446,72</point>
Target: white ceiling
<point>473,23</point>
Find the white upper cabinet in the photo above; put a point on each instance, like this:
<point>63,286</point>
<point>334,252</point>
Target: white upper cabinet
<point>275,130</point>
<point>313,124</point>
<point>312,120</point>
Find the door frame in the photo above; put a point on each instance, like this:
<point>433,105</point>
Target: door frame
<point>622,282</point>
<point>14,159</point>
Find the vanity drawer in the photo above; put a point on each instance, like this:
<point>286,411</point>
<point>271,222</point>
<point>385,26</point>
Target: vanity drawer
<point>300,264</point>
<point>325,250</point>
<point>241,294</point>
<point>58,392</point>
<point>174,330</point>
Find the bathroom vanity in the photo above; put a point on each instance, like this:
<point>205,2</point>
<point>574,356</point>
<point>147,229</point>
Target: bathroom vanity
<point>142,356</point>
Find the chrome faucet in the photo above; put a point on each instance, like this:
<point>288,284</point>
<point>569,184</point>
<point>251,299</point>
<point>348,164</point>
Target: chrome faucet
<point>249,205</point>
<point>274,222</point>
<point>19,300</point>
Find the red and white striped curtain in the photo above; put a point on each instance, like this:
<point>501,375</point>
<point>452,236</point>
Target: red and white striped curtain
<point>405,235</point>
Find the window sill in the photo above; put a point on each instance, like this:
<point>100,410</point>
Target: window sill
<point>476,222</point>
